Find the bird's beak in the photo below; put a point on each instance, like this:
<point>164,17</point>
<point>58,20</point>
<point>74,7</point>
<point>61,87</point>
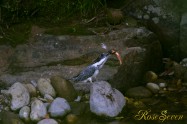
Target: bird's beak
<point>119,57</point>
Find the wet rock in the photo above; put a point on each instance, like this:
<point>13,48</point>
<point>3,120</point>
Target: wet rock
<point>7,117</point>
<point>45,87</point>
<point>175,69</point>
<point>38,110</point>
<point>150,76</point>
<point>80,108</point>
<point>164,21</point>
<point>138,92</point>
<point>146,56</point>
<point>59,107</point>
<point>48,121</point>
<point>20,96</point>
<point>153,87</point>
<point>71,119</point>
<point>31,89</point>
<point>64,88</point>
<point>104,100</point>
<point>67,55</point>
<point>24,113</point>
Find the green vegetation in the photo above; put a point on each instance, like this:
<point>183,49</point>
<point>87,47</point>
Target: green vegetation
<point>55,16</point>
<point>14,35</point>
<point>13,11</point>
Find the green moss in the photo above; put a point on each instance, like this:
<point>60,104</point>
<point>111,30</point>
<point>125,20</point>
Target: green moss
<point>16,34</point>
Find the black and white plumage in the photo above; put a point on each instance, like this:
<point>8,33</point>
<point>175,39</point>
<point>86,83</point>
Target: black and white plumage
<point>92,70</point>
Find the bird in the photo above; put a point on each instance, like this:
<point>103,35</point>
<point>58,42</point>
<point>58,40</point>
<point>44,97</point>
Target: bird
<point>92,70</point>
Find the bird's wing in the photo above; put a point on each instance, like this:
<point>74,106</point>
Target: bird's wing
<point>84,74</point>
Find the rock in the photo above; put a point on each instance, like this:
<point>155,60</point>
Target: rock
<point>138,60</point>
<point>183,62</point>
<point>68,55</point>
<point>20,96</point>
<point>183,37</point>
<point>5,55</point>
<point>47,121</point>
<point>153,87</point>
<point>162,85</point>
<point>175,69</point>
<point>138,92</point>
<point>31,89</point>
<point>45,87</point>
<point>151,76</point>
<point>104,100</point>
<point>48,98</point>
<point>80,108</point>
<point>64,88</point>
<point>38,110</point>
<point>164,21</point>
<point>114,16</point>
<point>83,87</point>
<point>7,117</point>
<point>59,107</point>
<point>71,118</point>
<point>24,113</point>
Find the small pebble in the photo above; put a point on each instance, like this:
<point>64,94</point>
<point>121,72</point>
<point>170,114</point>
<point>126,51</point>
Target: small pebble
<point>162,85</point>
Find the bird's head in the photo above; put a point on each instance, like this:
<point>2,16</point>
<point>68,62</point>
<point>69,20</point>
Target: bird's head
<point>104,56</point>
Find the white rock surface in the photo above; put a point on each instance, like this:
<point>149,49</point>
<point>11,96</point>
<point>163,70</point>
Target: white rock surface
<point>153,87</point>
<point>105,100</point>
<point>24,113</point>
<point>20,96</point>
<point>38,110</point>
<point>45,87</point>
<point>59,107</point>
<point>47,121</point>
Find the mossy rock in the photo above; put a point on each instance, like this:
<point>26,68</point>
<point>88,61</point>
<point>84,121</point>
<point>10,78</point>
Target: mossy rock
<point>63,88</point>
<point>114,16</point>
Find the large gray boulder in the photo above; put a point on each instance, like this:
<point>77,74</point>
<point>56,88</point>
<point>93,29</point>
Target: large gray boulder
<point>20,96</point>
<point>68,55</point>
<point>143,54</point>
<point>105,100</point>
<point>162,17</point>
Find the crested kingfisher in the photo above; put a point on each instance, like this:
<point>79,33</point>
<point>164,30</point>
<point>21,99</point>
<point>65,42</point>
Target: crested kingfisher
<point>92,70</point>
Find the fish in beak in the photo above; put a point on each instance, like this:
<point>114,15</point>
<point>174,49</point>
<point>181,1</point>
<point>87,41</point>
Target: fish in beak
<point>117,55</point>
